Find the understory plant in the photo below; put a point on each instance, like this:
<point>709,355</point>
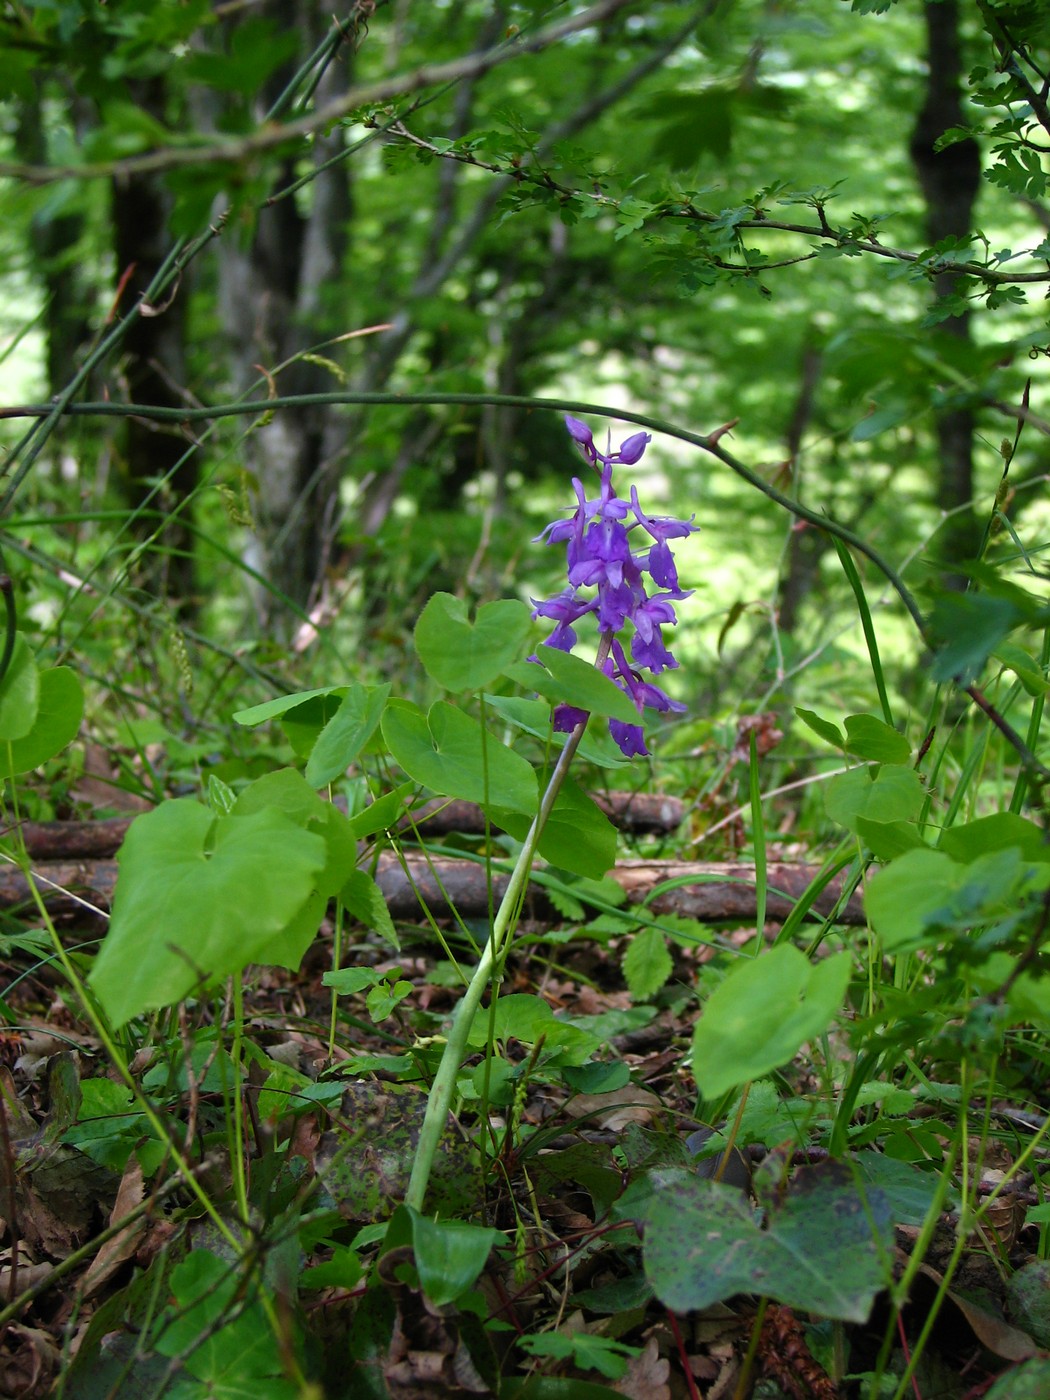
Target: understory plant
<point>946,994</point>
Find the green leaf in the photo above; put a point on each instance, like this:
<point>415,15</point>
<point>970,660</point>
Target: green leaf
<point>831,733</point>
<point>198,897</point>
<point>382,814</point>
<point>346,733</point>
<point>343,1270</point>
<point>564,679</point>
<point>578,836</point>
<point>825,1248</point>
<point>347,981</point>
<point>238,1359</point>
<point>443,751</point>
<point>534,717</point>
<point>363,898</point>
<point>60,709</point>
<point>872,739</point>
<point>924,895</point>
<point>450,1254</point>
<point>289,792</point>
<point>273,709</point>
<point>766,1008</point>
<point>890,794</point>
<point>888,840</point>
<point>1025,668</point>
<point>19,693</point>
<point>997,832</point>
<point>461,655</point>
<point>647,964</point>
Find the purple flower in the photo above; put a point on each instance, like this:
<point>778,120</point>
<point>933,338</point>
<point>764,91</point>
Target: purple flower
<point>599,556</point>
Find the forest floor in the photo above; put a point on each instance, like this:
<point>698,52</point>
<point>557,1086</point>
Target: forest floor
<point>101,1295</point>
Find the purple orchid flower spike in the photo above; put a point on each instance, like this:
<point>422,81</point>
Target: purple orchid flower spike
<point>601,555</point>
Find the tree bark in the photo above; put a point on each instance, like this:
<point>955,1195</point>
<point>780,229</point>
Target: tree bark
<point>160,466</point>
<point>950,180</point>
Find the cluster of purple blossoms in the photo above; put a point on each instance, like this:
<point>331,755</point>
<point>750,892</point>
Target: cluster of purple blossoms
<point>600,555</point>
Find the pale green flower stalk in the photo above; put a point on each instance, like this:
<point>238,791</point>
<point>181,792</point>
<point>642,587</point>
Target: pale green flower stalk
<point>443,1088</point>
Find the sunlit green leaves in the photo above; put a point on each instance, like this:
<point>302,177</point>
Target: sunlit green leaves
<point>766,1008</point>
<point>446,751</point>
<point>59,710</point>
<point>199,897</point>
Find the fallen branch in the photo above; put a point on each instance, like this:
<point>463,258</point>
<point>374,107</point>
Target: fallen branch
<point>714,892</point>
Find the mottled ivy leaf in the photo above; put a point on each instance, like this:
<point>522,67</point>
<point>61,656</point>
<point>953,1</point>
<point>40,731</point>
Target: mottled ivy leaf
<point>442,750</point>
<point>464,655</point>
<point>199,897</point>
<point>825,1248</point>
<point>758,1018</point>
<point>365,1159</point>
<point>872,739</point>
<point>346,733</point>
<point>646,964</point>
<point>889,794</point>
<point>60,708</point>
<point>19,693</point>
<point>829,732</point>
<point>564,679</point>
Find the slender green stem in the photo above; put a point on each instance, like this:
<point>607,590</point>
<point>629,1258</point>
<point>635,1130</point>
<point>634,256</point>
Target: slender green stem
<point>444,1086</point>
<point>237,1145</point>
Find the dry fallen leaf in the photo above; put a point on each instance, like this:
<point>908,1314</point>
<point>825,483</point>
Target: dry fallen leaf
<point>122,1246</point>
<point>647,1375</point>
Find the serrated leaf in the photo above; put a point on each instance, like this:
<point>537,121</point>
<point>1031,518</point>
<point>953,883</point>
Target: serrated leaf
<point>646,964</point>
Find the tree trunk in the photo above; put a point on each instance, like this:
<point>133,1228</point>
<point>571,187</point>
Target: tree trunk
<point>950,180</point>
<point>160,468</point>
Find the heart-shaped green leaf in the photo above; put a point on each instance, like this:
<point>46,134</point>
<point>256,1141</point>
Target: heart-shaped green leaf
<point>766,1008</point>
<point>464,655</point>
<point>60,709</point>
<point>198,897</point>
<point>443,751</point>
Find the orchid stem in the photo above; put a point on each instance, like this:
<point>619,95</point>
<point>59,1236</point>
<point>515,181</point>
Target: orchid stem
<point>444,1086</point>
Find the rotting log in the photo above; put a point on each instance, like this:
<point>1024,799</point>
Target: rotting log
<point>639,812</point>
<point>712,892</point>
